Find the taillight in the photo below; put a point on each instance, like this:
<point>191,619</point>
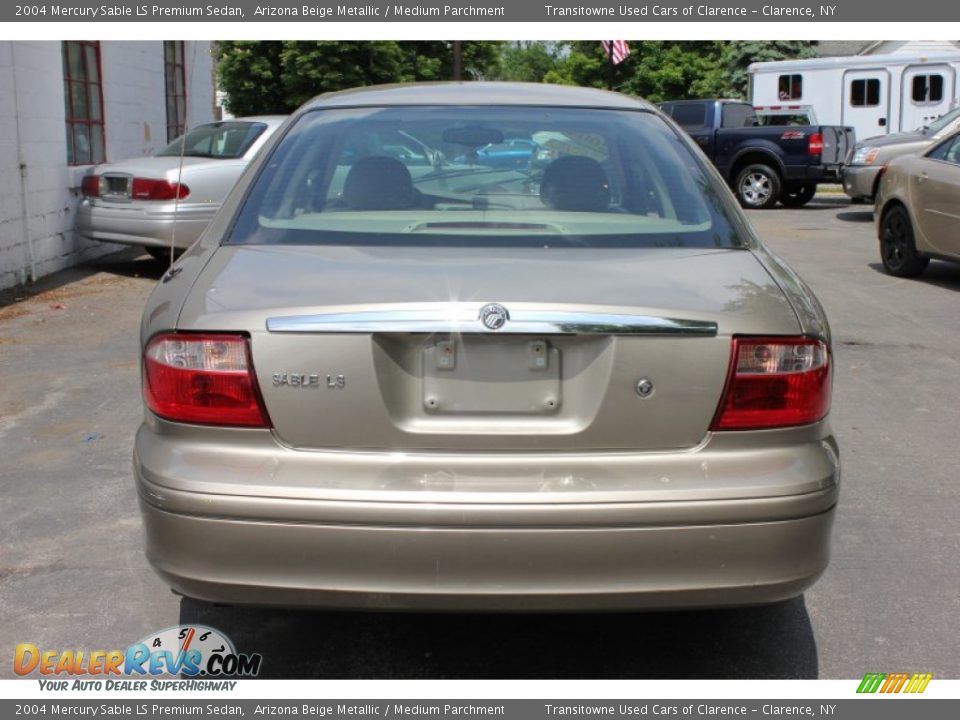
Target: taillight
<point>202,378</point>
<point>815,144</point>
<point>90,186</point>
<point>775,382</point>
<point>147,189</point>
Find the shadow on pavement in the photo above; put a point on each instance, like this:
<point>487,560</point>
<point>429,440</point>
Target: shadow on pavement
<point>939,273</point>
<point>858,216</point>
<point>774,641</point>
<point>127,263</point>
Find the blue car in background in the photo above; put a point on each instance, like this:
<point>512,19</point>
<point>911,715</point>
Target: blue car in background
<point>513,154</point>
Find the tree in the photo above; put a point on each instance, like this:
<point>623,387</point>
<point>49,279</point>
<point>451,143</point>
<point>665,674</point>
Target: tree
<point>737,56</point>
<point>278,76</point>
<point>525,61</point>
<point>656,70</point>
<point>249,73</point>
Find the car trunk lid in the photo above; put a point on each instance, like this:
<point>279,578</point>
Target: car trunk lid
<point>378,347</point>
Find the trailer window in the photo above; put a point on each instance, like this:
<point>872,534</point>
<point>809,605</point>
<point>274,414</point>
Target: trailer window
<point>790,87</point>
<point>865,93</point>
<point>927,89</point>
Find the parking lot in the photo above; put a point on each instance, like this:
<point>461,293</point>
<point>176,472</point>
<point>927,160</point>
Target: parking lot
<point>73,575</point>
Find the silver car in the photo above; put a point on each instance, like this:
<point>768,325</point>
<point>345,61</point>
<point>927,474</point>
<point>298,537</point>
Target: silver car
<point>168,199</point>
<point>861,177</point>
<point>392,376</point>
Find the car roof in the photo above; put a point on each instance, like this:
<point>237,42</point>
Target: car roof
<point>478,93</point>
<point>268,119</point>
<point>705,100</point>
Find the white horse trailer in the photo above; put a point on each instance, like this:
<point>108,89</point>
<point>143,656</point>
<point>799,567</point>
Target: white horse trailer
<point>874,94</point>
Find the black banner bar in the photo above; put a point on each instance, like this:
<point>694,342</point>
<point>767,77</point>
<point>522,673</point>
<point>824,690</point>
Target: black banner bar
<point>481,11</point>
<point>866,708</point>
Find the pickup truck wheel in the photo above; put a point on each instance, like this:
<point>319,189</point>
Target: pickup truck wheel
<point>758,187</point>
<point>796,196</point>
<point>898,251</point>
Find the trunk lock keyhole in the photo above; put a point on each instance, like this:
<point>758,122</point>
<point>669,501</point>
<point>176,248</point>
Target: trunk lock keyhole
<point>644,387</point>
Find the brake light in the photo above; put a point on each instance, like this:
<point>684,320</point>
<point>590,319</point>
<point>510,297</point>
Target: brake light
<point>775,382</point>
<point>147,189</point>
<point>815,144</point>
<point>90,186</point>
<point>202,378</point>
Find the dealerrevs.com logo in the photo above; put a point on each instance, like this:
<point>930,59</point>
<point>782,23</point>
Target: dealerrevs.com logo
<point>187,650</point>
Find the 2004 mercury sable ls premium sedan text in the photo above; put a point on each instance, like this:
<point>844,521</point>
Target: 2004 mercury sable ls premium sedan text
<point>389,376</point>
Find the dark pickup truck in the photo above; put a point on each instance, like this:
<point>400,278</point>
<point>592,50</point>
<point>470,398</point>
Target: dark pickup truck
<point>764,165</point>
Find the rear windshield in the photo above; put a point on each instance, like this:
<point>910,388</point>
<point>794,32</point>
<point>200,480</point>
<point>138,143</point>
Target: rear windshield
<point>735,115</point>
<point>226,140</point>
<point>692,115</point>
<point>484,176</point>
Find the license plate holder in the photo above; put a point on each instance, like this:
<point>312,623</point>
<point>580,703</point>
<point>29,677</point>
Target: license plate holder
<point>504,375</point>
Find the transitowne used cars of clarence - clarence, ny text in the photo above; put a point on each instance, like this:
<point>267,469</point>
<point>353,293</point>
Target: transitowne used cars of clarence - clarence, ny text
<point>394,374</point>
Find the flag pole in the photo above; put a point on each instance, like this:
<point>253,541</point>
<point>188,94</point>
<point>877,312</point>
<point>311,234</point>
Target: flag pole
<point>611,67</point>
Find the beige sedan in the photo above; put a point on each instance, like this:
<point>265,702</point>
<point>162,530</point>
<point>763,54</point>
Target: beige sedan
<point>918,209</point>
<point>394,378</point>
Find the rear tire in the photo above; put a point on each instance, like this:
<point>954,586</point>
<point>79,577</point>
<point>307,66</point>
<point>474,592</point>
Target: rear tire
<point>758,187</point>
<point>898,251</point>
<point>796,196</point>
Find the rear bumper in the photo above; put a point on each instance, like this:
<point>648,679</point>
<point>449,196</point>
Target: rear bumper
<point>136,224</point>
<point>532,569</point>
<point>215,532</point>
<point>859,181</point>
<point>814,173</point>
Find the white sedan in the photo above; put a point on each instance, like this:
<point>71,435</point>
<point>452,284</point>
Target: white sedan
<point>165,201</point>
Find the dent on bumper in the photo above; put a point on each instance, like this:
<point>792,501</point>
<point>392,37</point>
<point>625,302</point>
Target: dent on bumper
<point>216,532</point>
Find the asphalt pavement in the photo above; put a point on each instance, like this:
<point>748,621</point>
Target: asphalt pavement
<point>73,575</point>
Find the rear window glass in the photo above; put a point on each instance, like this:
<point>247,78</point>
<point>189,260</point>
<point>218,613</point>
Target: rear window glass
<point>693,115</point>
<point>737,116</point>
<point>484,176</point>
<point>216,140</point>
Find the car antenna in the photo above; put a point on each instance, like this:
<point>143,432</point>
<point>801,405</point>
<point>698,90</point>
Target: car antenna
<point>183,150</point>
<point>176,194</point>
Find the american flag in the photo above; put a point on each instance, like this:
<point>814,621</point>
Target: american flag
<point>617,50</point>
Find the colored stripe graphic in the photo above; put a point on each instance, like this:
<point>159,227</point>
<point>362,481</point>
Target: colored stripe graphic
<point>871,682</point>
<point>918,682</point>
<point>895,682</point>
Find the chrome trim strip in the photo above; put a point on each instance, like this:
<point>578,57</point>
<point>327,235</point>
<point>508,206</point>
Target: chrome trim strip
<point>464,318</point>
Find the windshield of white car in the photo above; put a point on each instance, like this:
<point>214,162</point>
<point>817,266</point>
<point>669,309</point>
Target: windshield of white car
<point>229,139</point>
<point>486,176</point>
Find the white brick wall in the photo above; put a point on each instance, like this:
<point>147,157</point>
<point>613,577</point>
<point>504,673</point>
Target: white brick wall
<point>38,190</point>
